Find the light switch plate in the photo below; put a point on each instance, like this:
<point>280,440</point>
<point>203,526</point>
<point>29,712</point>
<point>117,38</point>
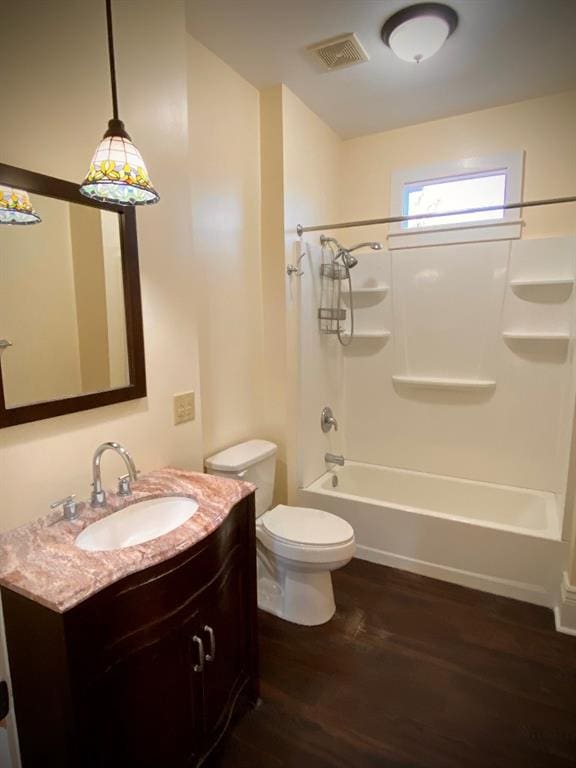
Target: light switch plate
<point>184,407</point>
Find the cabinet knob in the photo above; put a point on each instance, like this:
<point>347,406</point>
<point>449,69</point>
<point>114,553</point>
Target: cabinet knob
<point>212,654</point>
<point>201,654</point>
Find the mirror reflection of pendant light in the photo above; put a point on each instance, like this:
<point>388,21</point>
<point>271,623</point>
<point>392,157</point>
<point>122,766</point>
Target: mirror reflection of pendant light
<point>419,31</point>
<point>117,172</point>
<point>16,208</point>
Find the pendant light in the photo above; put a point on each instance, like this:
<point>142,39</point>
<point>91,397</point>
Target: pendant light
<point>16,208</point>
<point>117,172</point>
<point>419,31</point>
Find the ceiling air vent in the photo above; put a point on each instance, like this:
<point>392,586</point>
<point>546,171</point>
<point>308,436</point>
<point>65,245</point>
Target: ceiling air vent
<point>339,52</point>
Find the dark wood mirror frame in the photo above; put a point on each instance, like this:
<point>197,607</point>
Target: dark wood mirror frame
<point>48,186</point>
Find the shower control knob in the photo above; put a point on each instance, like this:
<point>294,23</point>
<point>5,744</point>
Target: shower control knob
<point>327,420</point>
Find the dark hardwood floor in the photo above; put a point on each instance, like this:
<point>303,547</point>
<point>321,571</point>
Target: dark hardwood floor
<point>411,672</point>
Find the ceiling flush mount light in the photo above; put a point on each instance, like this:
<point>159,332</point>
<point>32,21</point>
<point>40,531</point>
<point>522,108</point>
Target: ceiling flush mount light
<point>117,172</point>
<point>16,208</point>
<point>419,31</point>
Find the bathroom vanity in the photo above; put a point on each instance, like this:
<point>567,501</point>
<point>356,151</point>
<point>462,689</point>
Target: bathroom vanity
<point>147,670</point>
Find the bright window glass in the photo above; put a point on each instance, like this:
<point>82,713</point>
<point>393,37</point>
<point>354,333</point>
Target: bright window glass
<point>452,194</point>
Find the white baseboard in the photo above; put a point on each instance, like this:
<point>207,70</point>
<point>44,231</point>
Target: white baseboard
<point>528,593</point>
<point>565,610</point>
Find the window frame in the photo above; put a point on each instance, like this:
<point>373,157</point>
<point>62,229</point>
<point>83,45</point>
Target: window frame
<point>508,227</point>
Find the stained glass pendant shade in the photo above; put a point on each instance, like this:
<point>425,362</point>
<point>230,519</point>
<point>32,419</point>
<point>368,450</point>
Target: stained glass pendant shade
<point>16,208</point>
<point>117,172</point>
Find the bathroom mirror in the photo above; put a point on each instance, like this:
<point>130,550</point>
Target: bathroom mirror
<point>70,309</point>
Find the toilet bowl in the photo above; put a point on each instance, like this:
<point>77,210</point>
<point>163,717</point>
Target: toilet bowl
<point>297,547</point>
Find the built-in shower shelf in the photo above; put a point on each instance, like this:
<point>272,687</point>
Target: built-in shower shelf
<point>369,335</point>
<point>427,382</point>
<point>544,283</point>
<point>535,336</point>
<point>382,289</point>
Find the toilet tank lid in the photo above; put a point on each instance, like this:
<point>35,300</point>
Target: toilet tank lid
<point>241,456</point>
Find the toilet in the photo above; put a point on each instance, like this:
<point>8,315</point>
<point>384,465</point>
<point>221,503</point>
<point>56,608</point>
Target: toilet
<point>297,547</point>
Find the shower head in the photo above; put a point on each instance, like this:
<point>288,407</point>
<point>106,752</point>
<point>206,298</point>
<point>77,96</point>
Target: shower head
<point>348,259</point>
<point>345,253</point>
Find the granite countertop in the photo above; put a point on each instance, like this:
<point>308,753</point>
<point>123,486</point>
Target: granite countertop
<point>40,560</point>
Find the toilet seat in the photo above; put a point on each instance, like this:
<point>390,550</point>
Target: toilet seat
<point>304,525</point>
<point>306,535</point>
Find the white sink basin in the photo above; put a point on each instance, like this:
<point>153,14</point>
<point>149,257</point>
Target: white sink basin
<point>137,523</point>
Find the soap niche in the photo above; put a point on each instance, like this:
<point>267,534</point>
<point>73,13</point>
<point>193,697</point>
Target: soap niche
<point>538,308</point>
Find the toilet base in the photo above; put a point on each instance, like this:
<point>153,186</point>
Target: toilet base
<point>301,596</point>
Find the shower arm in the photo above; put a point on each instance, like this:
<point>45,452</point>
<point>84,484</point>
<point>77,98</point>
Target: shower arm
<point>342,252</point>
<point>418,217</point>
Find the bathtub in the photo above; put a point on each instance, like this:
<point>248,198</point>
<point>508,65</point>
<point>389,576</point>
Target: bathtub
<point>497,538</point>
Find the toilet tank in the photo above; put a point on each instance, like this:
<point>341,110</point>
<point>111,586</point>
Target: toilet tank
<point>254,461</point>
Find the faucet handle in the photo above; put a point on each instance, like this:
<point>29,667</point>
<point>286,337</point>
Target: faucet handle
<point>327,420</point>
<point>69,506</point>
<point>124,488</point>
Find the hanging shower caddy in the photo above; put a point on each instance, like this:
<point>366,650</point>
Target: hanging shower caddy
<point>331,314</point>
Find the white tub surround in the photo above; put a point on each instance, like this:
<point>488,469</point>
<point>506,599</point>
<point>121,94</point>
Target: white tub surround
<point>496,538</point>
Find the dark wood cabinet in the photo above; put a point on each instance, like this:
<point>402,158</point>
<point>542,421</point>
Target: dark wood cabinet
<point>147,672</point>
<point>223,678</point>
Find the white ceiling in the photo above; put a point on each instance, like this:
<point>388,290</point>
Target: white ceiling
<point>502,51</point>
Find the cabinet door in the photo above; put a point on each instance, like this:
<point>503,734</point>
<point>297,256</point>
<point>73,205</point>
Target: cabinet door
<point>150,717</point>
<point>225,630</point>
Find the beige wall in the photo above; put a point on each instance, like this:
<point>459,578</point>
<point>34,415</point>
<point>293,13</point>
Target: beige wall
<point>312,158</point>
<point>300,165</point>
<point>90,287</point>
<point>225,174</point>
<point>275,369</point>
<point>59,106</point>
<point>36,271</point>
<point>543,127</point>
<point>115,308</point>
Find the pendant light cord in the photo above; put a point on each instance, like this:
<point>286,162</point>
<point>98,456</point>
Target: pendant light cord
<point>111,57</point>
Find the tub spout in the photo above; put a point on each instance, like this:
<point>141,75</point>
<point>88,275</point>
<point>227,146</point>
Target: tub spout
<point>334,458</point>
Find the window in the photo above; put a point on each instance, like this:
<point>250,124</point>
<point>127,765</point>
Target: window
<point>469,183</point>
<point>478,191</point>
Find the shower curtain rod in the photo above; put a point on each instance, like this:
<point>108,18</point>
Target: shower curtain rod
<point>396,219</point>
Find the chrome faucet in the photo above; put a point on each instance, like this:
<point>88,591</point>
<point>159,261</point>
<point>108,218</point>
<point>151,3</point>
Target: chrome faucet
<point>327,420</point>
<point>334,458</point>
<point>98,495</point>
